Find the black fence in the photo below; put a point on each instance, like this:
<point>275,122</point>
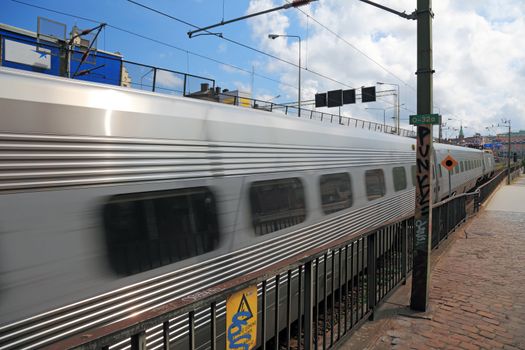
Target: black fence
<point>317,298</point>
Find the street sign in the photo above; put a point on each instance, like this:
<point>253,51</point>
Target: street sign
<point>422,119</point>
<point>241,319</point>
<point>449,162</point>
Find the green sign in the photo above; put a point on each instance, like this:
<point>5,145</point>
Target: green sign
<point>421,119</point>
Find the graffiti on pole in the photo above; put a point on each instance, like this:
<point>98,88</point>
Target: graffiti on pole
<point>423,186</point>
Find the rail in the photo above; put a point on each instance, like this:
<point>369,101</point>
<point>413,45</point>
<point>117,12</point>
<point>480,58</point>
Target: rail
<point>107,68</point>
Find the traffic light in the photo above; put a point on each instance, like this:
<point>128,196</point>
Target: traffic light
<point>348,96</point>
<point>368,94</point>
<point>320,100</point>
<point>335,98</point>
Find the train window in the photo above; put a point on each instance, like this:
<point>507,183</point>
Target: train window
<point>440,170</point>
<point>152,229</point>
<point>462,165</point>
<point>413,173</point>
<point>336,192</point>
<point>375,184</point>
<point>456,168</point>
<point>400,178</point>
<point>277,204</point>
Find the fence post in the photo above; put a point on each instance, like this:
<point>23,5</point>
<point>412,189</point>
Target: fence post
<point>371,271</point>
<point>308,305</point>
<point>404,250</point>
<point>138,341</point>
<point>154,79</point>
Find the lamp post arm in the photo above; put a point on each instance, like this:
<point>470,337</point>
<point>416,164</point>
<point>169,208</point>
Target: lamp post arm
<point>221,23</point>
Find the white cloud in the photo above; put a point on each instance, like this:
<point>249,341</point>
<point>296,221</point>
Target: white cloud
<point>478,52</point>
<point>167,79</point>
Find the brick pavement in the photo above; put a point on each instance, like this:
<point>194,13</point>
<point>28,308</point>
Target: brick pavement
<point>477,295</point>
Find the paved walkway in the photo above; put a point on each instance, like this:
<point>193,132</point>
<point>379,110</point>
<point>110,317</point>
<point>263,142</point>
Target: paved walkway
<point>477,295</point>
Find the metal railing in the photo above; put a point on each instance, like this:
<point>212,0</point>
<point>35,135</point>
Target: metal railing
<point>323,117</point>
<point>449,214</point>
<point>324,294</point>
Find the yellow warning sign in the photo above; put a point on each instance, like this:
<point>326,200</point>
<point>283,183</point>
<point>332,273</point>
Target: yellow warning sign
<point>449,162</point>
<point>241,319</point>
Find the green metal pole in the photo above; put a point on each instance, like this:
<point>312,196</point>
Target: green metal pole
<point>508,160</point>
<point>423,210</point>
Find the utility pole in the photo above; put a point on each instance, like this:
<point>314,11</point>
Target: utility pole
<point>424,155</point>
<point>424,152</point>
<point>508,159</point>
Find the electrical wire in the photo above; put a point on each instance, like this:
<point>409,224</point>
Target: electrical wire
<point>237,42</point>
<point>354,47</point>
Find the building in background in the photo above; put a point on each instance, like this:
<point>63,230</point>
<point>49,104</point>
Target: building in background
<point>58,55</point>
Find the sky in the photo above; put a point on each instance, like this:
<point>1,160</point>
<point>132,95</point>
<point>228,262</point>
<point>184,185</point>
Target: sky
<point>478,50</point>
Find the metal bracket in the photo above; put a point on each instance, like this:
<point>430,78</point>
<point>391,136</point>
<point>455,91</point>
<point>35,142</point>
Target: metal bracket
<point>202,34</point>
<point>415,13</point>
<point>425,71</point>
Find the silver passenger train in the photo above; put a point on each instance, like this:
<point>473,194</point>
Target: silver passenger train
<point>114,201</point>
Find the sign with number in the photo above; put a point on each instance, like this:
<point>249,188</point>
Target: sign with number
<point>422,119</point>
<point>449,162</point>
<point>241,319</point>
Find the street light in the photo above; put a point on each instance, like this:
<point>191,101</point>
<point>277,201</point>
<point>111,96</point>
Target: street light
<point>384,116</point>
<point>275,36</point>
<point>504,123</point>
<point>398,123</point>
<point>440,125</point>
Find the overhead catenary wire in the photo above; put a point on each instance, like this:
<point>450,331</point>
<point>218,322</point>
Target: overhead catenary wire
<point>237,42</point>
<point>245,46</point>
<point>354,47</point>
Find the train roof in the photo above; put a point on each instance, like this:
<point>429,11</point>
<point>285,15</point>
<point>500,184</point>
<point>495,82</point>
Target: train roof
<point>226,123</point>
